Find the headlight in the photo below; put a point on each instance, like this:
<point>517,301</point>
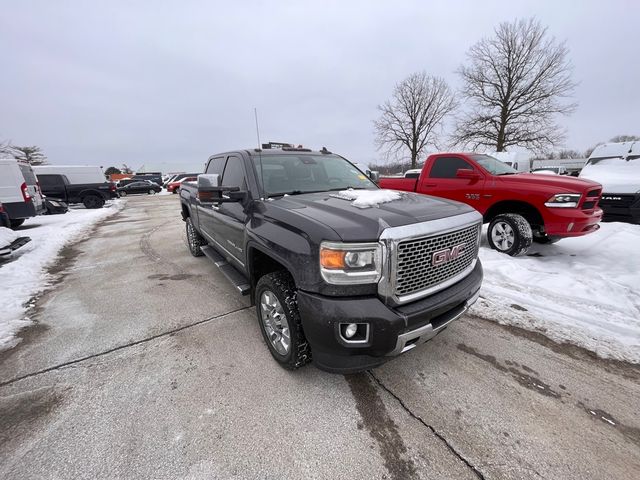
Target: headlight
<point>350,263</point>
<point>564,200</point>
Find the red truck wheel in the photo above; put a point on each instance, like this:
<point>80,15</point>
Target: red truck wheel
<point>510,233</point>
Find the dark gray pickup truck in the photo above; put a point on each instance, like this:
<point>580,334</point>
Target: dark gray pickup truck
<point>341,272</point>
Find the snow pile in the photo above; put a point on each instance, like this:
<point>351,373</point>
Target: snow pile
<point>26,275</point>
<point>368,198</point>
<point>7,237</point>
<point>584,290</point>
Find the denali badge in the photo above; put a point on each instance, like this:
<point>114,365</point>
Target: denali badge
<point>443,256</point>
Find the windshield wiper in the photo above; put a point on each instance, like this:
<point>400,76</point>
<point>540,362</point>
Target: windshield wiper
<point>507,173</point>
<point>346,188</point>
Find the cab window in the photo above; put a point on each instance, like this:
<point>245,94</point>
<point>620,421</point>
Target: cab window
<point>216,166</point>
<point>446,167</point>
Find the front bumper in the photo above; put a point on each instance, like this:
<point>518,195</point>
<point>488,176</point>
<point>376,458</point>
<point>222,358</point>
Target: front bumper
<point>571,222</point>
<point>392,330</point>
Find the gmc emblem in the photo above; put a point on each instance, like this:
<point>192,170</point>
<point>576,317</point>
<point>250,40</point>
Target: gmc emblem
<point>444,256</point>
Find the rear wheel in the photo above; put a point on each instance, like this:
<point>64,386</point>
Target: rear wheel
<point>93,201</point>
<point>122,193</point>
<point>510,233</point>
<point>17,222</point>
<point>194,239</point>
<point>280,324</point>
<point>152,192</point>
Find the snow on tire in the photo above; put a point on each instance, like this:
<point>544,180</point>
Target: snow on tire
<point>510,233</point>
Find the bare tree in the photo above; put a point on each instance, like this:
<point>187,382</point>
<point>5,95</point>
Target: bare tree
<point>5,150</point>
<point>411,118</point>
<point>32,154</point>
<point>516,83</point>
<point>624,138</point>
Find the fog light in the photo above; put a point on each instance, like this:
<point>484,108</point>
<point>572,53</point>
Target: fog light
<point>351,330</point>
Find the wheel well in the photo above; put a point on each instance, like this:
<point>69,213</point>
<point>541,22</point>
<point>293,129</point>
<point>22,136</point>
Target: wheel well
<point>185,212</point>
<point>528,211</point>
<point>260,264</point>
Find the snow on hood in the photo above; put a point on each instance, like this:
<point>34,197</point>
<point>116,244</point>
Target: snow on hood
<point>368,198</point>
<point>616,175</point>
<point>7,236</point>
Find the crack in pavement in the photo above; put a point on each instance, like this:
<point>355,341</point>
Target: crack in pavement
<point>450,447</point>
<point>120,347</point>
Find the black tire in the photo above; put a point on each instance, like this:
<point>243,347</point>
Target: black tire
<point>194,239</point>
<point>15,223</point>
<point>122,194</point>
<point>152,192</point>
<point>93,201</point>
<point>175,190</point>
<point>546,239</point>
<point>282,286</point>
<point>510,233</point>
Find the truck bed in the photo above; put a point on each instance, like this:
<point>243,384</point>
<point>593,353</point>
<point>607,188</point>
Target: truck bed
<point>399,183</point>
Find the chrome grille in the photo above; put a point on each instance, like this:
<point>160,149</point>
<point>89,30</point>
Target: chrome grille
<point>414,269</point>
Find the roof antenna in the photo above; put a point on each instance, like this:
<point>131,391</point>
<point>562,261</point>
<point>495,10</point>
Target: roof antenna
<point>264,191</point>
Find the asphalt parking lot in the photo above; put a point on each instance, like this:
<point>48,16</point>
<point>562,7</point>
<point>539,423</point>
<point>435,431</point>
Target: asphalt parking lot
<point>145,363</point>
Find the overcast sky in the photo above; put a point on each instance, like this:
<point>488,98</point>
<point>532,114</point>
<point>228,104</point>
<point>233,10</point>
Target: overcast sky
<point>166,84</point>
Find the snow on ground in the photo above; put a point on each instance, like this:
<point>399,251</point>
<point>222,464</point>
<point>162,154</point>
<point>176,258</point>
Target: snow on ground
<point>367,198</point>
<point>585,291</point>
<point>25,274</point>
<point>7,236</point>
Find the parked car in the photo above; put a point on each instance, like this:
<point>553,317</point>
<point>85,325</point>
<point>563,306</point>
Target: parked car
<point>175,186</point>
<point>10,242</point>
<point>146,186</point>
<point>76,174</point>
<point>560,170</point>
<point>5,221</point>
<point>155,178</point>
<point>91,195</point>
<point>55,207</point>
<point>349,286</point>
<point>519,207</point>
<point>179,177</point>
<point>20,193</point>
<point>617,167</point>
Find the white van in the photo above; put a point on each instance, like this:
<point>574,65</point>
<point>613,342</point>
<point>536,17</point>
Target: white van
<point>519,160</point>
<point>74,173</point>
<point>617,167</point>
<point>20,193</point>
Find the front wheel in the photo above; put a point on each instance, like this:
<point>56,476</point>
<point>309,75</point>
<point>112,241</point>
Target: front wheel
<point>194,239</point>
<point>152,192</point>
<point>280,324</point>
<point>510,233</point>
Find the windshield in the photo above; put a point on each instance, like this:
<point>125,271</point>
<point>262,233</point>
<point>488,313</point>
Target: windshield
<point>493,165</point>
<point>294,174</point>
<point>612,161</point>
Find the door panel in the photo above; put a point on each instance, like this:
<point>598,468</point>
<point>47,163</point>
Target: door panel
<point>230,218</point>
<point>442,182</point>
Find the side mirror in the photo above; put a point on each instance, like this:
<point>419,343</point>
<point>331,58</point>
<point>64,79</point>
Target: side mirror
<point>374,176</point>
<point>467,173</point>
<point>210,190</point>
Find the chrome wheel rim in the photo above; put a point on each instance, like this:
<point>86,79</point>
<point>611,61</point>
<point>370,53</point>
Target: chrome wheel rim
<point>503,236</point>
<point>275,322</point>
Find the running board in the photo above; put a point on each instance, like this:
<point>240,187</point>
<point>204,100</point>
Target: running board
<point>233,275</point>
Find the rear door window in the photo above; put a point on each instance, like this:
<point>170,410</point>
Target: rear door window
<point>216,166</point>
<point>27,173</point>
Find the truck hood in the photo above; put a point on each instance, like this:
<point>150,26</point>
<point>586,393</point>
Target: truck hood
<point>353,224</point>
<point>556,183</point>
<point>614,180</point>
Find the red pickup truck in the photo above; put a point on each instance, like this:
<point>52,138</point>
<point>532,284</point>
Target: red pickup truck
<point>519,207</point>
